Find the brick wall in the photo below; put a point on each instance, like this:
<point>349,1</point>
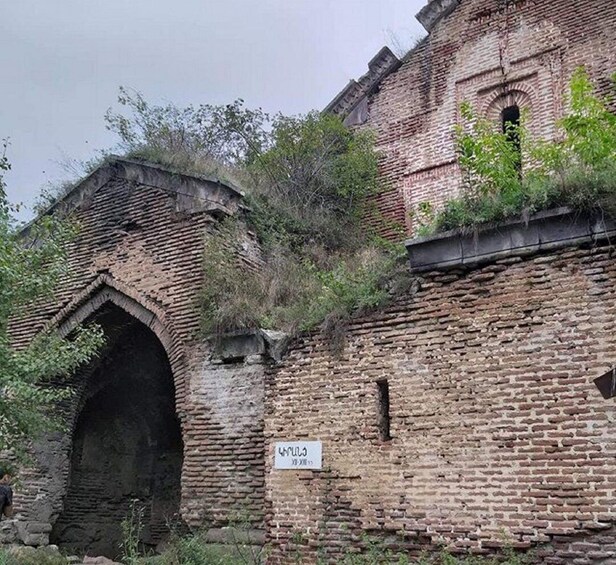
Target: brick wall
<point>140,248</point>
<point>497,428</point>
<point>485,50</point>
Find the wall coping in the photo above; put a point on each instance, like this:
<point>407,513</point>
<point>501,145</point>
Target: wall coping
<point>379,67</point>
<point>435,11</point>
<point>548,230</point>
<point>193,192</point>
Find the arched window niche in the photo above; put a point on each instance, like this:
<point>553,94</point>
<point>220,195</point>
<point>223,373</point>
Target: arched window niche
<point>507,110</point>
<point>510,123</point>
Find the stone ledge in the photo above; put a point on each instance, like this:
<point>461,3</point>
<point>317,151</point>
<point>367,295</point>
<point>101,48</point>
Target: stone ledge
<point>435,11</point>
<point>243,345</point>
<point>544,231</point>
<point>192,193</point>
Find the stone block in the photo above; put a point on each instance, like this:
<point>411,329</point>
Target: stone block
<point>8,532</point>
<point>276,343</point>
<point>435,11</point>
<point>552,229</point>
<point>238,345</point>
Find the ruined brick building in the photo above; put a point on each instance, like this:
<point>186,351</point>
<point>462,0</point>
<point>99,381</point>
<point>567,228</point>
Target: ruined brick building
<point>496,54</point>
<point>155,418</point>
<point>465,412</point>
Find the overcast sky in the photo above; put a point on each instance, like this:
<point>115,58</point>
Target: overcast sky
<point>62,61</point>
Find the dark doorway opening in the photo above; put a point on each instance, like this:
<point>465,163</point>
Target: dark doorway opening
<point>127,444</point>
<point>511,121</point>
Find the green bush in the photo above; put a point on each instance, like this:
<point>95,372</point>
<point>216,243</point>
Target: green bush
<point>306,179</point>
<point>311,170</point>
<point>31,265</point>
<point>577,170</point>
<point>292,291</point>
<point>194,550</point>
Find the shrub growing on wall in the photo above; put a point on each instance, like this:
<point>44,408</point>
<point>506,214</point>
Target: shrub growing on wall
<point>306,178</point>
<point>578,169</point>
<point>29,270</point>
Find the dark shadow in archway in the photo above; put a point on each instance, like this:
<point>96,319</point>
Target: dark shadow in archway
<point>127,443</point>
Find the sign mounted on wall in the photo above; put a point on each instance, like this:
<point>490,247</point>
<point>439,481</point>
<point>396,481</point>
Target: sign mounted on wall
<point>298,455</point>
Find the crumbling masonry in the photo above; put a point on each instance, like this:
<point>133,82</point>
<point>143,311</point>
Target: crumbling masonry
<point>492,428</point>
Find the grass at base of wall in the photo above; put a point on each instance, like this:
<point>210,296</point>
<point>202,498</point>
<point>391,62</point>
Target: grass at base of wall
<point>194,550</point>
<point>32,556</point>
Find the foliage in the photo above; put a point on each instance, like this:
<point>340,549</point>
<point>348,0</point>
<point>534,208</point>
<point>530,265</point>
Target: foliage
<point>577,170</point>
<point>292,291</point>
<point>190,137</point>
<point>32,556</point>
<point>375,552</point>
<point>30,268</point>
<point>317,169</point>
<point>305,175</point>
<point>307,179</point>
<point>192,549</point>
<point>231,297</point>
<point>488,159</point>
<point>132,527</point>
<point>195,550</point>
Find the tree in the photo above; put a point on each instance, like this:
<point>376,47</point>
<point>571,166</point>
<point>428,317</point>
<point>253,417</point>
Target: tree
<point>30,268</point>
<point>307,180</point>
<point>308,176</point>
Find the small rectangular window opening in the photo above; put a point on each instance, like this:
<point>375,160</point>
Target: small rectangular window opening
<point>511,120</point>
<point>384,419</point>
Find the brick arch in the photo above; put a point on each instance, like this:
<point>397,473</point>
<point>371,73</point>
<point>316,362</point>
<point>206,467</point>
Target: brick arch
<point>106,290</point>
<point>513,97</point>
<point>132,404</point>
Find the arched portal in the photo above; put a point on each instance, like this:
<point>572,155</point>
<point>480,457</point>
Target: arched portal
<point>127,443</point>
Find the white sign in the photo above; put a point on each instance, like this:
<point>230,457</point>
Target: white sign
<point>298,455</point>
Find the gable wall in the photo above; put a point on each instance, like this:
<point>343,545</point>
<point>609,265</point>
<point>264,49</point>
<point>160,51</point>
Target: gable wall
<point>482,50</point>
<point>133,235</point>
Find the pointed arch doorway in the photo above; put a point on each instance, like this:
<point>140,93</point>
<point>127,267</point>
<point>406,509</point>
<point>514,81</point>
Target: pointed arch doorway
<point>126,450</point>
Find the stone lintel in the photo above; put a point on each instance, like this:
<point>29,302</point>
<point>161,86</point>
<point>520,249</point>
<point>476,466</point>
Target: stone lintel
<point>435,11</point>
<point>544,231</point>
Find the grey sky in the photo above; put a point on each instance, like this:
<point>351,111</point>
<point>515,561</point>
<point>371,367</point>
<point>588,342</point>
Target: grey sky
<point>61,62</point>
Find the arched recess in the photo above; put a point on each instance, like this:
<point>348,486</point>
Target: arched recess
<point>126,438</point>
<point>105,289</point>
<point>514,97</point>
